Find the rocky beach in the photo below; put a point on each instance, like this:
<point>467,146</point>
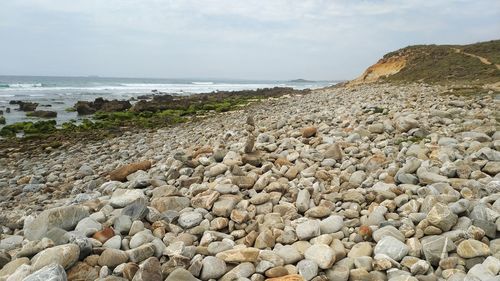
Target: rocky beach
<point>364,182</point>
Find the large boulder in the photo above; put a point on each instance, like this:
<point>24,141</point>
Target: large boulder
<point>27,106</point>
<point>66,217</point>
<point>100,104</point>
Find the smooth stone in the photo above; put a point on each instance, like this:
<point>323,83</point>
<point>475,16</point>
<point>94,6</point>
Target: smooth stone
<point>308,229</point>
<point>362,249</point>
<point>307,269</point>
<point>242,270</point>
<point>136,211</point>
<point>288,253</point>
<point>180,274</point>
<point>51,272</point>
<point>321,254</point>
<point>88,226</point>
<point>331,224</point>
<point>114,242</point>
<point>64,255</point>
<point>122,224</point>
<point>66,218</point>
<point>123,197</point>
<point>11,266</point>
<point>391,247</point>
<point>213,268</point>
<point>388,230</point>
<point>141,238</point>
<point>189,219</point>
<point>112,258</point>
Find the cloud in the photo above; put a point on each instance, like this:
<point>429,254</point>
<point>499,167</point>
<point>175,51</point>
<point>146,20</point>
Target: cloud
<point>324,39</point>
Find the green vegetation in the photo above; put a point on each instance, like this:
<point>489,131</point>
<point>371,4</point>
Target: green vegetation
<point>70,109</point>
<point>443,63</point>
<point>105,121</point>
<point>29,128</point>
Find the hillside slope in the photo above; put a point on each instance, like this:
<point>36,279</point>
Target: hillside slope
<point>477,63</point>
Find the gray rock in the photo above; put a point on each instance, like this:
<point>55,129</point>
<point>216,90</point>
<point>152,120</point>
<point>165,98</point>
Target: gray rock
<point>124,197</point>
<point>436,248</point>
<point>331,224</point>
<point>62,217</point>
<point>114,242</point>
<point>308,229</point>
<point>321,254</point>
<point>288,253</point>
<point>307,269</point>
<point>388,230</point>
<point>357,178</point>
<point>190,219</point>
<point>11,242</point>
<point>213,268</point>
<point>122,224</point>
<point>52,272</point>
<point>88,226</point>
<point>141,238</point>
<point>302,201</point>
<point>136,211</point>
<point>391,247</point>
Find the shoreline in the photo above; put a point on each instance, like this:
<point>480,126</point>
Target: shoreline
<point>346,172</point>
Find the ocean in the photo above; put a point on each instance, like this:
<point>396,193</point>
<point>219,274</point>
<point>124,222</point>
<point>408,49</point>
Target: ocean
<point>60,93</point>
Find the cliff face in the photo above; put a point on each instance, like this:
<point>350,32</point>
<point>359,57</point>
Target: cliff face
<point>475,63</point>
<point>382,69</point>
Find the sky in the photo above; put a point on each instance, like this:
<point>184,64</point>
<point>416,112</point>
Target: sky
<point>240,39</point>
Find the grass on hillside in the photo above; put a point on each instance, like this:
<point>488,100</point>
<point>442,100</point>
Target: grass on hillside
<point>441,63</point>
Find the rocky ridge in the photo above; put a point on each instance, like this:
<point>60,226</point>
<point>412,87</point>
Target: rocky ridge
<point>367,183</point>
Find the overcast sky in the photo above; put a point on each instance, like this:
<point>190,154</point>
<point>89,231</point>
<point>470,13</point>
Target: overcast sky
<point>252,39</point>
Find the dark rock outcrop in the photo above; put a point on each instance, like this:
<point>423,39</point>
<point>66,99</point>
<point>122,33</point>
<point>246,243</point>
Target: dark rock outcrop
<point>100,104</point>
<point>42,114</point>
<point>25,106</point>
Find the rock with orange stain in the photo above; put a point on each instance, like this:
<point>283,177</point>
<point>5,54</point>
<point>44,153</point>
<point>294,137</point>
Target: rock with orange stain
<point>365,232</point>
<point>309,132</point>
<point>122,172</point>
<point>103,235</point>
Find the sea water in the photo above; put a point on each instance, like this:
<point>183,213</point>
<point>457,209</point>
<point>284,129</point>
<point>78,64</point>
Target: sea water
<point>60,93</point>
